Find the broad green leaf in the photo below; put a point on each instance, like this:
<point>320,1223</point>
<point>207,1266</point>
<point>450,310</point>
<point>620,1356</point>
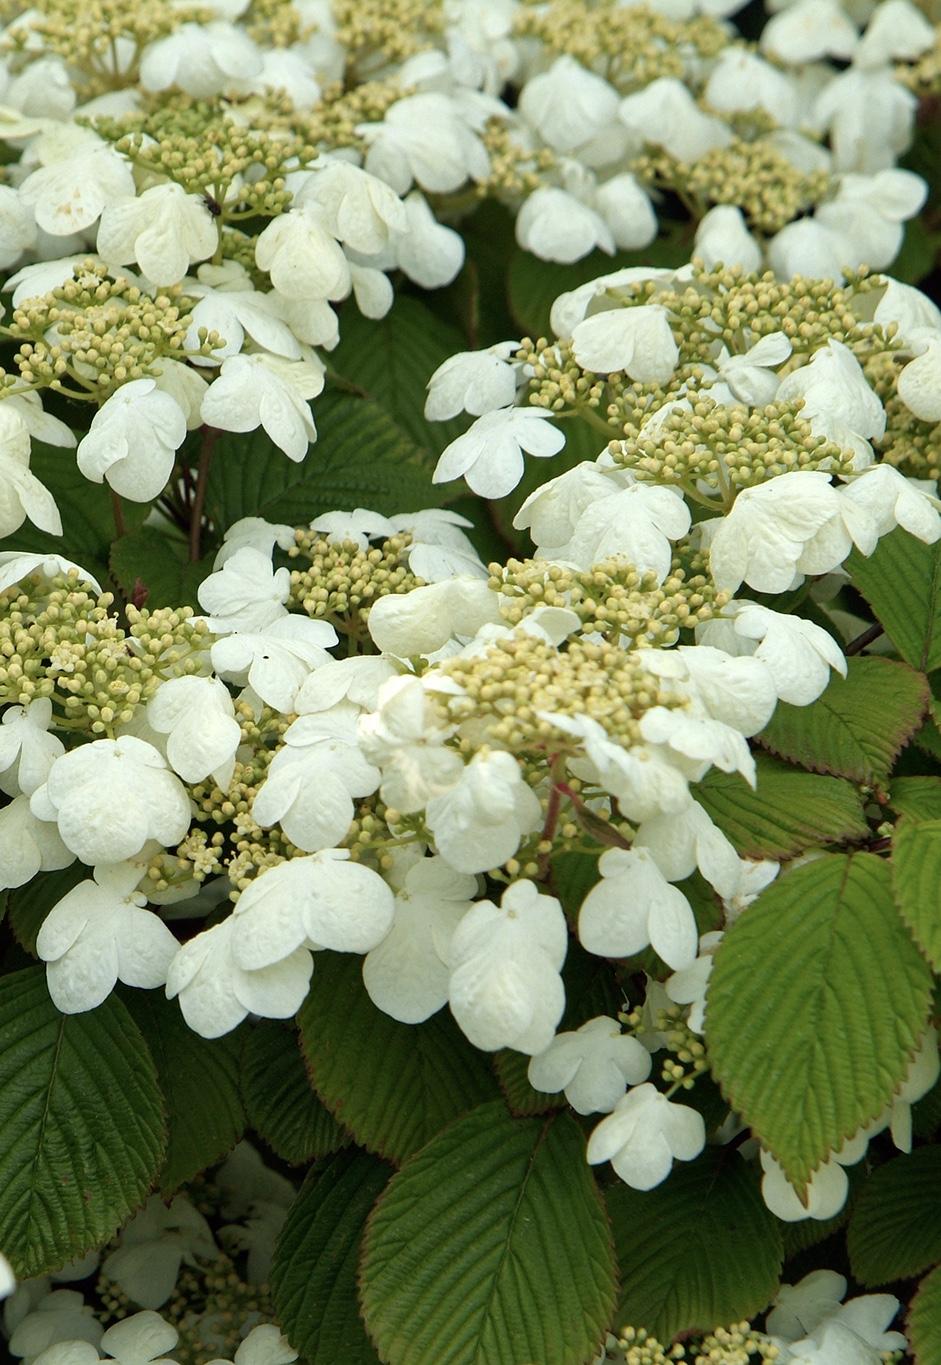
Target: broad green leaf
<point>86,509</point>
<point>477,298</point>
<point>787,812</point>
<point>919,797</point>
<point>199,1078</point>
<point>82,1121</point>
<point>393,1085</point>
<point>392,359</point>
<point>928,738</point>
<point>29,905</point>
<point>491,1247</point>
<point>857,727</point>
<point>901,581</point>
<point>916,881</point>
<point>924,1320</point>
<point>279,1099</point>
<point>154,570</point>
<point>699,1250</point>
<point>895,1228</point>
<point>534,286</point>
<point>313,1275</point>
<point>816,1003</point>
<point>361,459</point>
<point>926,1113</point>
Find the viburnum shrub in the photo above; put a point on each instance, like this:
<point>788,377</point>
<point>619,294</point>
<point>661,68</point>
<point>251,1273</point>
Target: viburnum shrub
<point>470,633</point>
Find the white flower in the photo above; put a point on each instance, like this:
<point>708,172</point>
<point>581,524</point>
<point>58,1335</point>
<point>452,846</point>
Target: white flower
<point>637,340</point>
<point>809,30</point>
<point>505,988</point>
<point>923,1073</point>
<point>474,382</point>
<point>359,209</point>
<point>798,1308</point>
<point>806,247</point>
<point>27,749</point>
<point>760,541</point>
<point>109,797</point>
<point>743,81</point>
<point>28,845</point>
<point>7,1278</point>
<point>257,534</point>
<point>425,619</point>
<point>552,511</point>
<point>164,230</point>
<point>430,253</point>
<point>81,176</point>
<point>16,566</point>
<point>681,841</point>
<point>594,1065</point>
<point>751,376</point>
<point>869,116</point>
<point>264,1345</point>
<point>406,975</point>
<point>302,256</point>
<point>62,1315</point>
<point>666,114</point>
<point>140,1339</point>
<point>247,592</point>
<point>356,679</point>
<point>274,660</point>
<point>825,1194</point>
<point>868,214</point>
<point>422,138</point>
<point>202,59</point>
<point>890,500</point>
<point>402,739</point>
<point>634,906</point>
<point>854,1335</point>
<point>837,400</point>
<point>133,440</point>
<point>321,901</point>
<point>216,994</point>
<point>198,717</point>
<point>555,226</point>
<point>625,519</point>
<point>644,1135</point>
<point>98,934</point>
<point>439,548</point>
<point>311,781</point>
<point>919,383</point>
<point>153,1246</point>
<point>723,238</point>
<point>688,987</point>
<point>798,654</point>
<point>738,692</point>
<point>266,391</point>
<point>642,778</point>
<point>230,306</point>
<point>490,454</point>
<point>696,742</point>
<point>357,527</point>
<point>626,207</point>
<point>567,104</point>
<point>479,823</point>
<point>21,493</point>
<point>17,227</point>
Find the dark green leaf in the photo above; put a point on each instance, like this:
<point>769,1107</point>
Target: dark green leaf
<point>924,1320</point>
<point>154,569</point>
<point>313,1275</point>
<point>82,1123</point>
<point>491,1247</point>
<point>901,581</point>
<point>895,1229</point>
<point>919,797</point>
<point>916,881</point>
<point>393,1085</point>
<point>279,1099</point>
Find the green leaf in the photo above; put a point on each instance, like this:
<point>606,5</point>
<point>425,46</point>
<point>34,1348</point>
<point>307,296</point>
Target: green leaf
<point>313,1275</point>
<point>393,1085</point>
<point>924,1320</point>
<point>534,286</point>
<point>491,1247</point>
<point>361,459</point>
<point>29,905</point>
<point>199,1078</point>
<point>154,570</point>
<point>857,727</point>
<point>82,1122</point>
<point>699,1250</point>
<point>279,1100</point>
<point>816,1003</point>
<point>86,509</point>
<point>901,581</point>
<point>787,812</point>
<point>916,881</point>
<point>392,360</point>
<point>919,797</point>
<point>895,1228</point>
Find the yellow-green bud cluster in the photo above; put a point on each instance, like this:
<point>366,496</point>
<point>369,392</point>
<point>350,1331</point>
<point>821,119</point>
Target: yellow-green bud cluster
<point>506,688</point>
<point>276,23</point>
<point>342,581</point>
<point>515,169</point>
<point>687,1051</point>
<point>100,333</point>
<point>729,445</point>
<point>200,145</point>
<point>212,1307</point>
<point>60,639</point>
<point>923,77</point>
<point>739,1344</point>
<point>630,45</point>
<point>768,188</point>
<point>333,122</point>
<point>376,33</point>
<point>86,37</point>
<point>612,598</point>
